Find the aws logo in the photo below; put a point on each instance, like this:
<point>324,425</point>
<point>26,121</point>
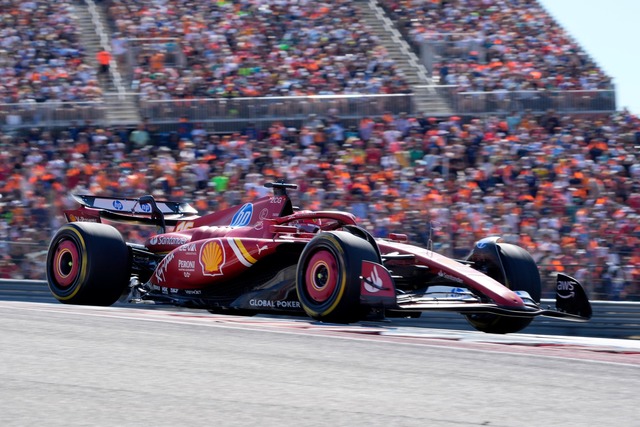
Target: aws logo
<point>243,216</point>
<point>212,258</point>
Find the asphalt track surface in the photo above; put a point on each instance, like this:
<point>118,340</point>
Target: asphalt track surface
<point>85,366</point>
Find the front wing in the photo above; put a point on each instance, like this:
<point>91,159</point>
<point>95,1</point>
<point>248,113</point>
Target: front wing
<point>487,308</point>
<point>571,300</point>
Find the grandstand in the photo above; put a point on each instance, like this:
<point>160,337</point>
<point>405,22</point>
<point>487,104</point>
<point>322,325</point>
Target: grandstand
<point>449,120</point>
<point>231,63</point>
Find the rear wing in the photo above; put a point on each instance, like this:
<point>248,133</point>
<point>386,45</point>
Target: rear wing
<point>133,206</point>
<point>144,210</point>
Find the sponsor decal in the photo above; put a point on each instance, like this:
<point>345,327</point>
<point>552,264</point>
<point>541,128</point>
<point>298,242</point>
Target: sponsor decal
<point>259,225</point>
<point>168,240</point>
<point>524,295</point>
<point>264,213</point>
<point>481,245</point>
<point>456,292</point>
<point>376,281</point>
<point>374,284</point>
<point>189,248</point>
<point>565,289</point>
<point>75,218</point>
<point>193,292</point>
<point>186,265</point>
<point>273,304</point>
<point>241,252</point>
<point>126,205</point>
<point>183,225</point>
<point>162,268</point>
<point>212,258</point>
<point>243,216</point>
<point>448,276</point>
<point>262,303</point>
<point>261,248</point>
<point>437,292</point>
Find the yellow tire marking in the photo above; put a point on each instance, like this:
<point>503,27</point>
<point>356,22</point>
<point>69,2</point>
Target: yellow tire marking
<point>82,273</point>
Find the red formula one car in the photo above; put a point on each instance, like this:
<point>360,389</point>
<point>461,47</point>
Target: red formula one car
<point>269,257</point>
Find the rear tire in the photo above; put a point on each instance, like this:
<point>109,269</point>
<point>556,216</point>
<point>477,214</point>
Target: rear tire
<point>88,264</point>
<point>521,275</point>
<point>328,276</point>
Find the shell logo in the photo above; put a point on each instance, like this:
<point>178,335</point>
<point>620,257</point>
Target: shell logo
<point>212,258</point>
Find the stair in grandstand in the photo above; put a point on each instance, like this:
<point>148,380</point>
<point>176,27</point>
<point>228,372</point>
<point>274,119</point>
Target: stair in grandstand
<point>120,108</point>
<point>426,99</point>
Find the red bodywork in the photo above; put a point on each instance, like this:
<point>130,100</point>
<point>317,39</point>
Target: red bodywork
<point>266,256</point>
<point>456,272</point>
<point>204,250</point>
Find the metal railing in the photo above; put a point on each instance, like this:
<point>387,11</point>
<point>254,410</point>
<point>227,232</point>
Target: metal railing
<point>234,113</point>
<point>228,113</point>
<point>49,114</point>
<point>241,110</point>
<point>585,101</point>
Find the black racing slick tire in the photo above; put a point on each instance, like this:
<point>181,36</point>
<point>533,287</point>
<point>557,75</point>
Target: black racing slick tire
<point>521,274</point>
<point>328,276</point>
<point>88,264</point>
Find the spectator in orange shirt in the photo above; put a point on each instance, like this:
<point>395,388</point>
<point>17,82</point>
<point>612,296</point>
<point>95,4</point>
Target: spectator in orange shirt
<point>104,58</point>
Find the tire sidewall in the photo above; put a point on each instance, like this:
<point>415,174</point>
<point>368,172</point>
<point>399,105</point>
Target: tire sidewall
<point>348,250</point>
<point>519,268</point>
<point>70,234</point>
<point>103,264</point>
<point>315,309</point>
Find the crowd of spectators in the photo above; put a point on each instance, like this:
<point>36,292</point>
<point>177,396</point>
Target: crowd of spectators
<point>565,188</point>
<point>41,57</point>
<point>186,49</point>
<point>497,45</point>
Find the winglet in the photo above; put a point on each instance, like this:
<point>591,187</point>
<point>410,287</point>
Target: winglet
<point>376,286</point>
<point>571,297</point>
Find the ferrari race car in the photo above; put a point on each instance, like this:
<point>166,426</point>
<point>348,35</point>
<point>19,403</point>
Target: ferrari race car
<point>270,257</point>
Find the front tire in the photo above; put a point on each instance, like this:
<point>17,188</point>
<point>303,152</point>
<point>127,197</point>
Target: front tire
<point>521,274</point>
<point>328,276</point>
<point>87,264</point>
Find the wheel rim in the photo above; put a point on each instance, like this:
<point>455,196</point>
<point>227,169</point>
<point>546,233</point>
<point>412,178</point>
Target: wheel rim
<point>66,263</point>
<point>321,278</point>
